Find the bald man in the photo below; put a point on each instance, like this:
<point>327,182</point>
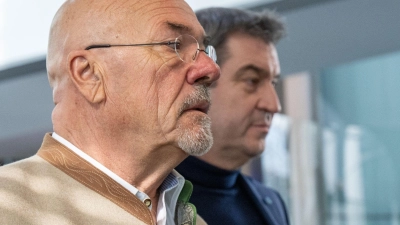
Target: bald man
<point>130,86</point>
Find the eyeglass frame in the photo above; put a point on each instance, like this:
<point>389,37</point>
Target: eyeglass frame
<point>212,49</point>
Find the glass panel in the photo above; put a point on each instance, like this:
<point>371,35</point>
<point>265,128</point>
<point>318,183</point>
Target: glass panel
<point>275,158</point>
<point>359,111</point>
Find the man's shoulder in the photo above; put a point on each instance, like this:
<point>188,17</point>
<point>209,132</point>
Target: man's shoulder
<point>18,168</point>
<point>268,198</point>
<point>263,192</point>
<point>24,167</point>
<point>17,175</point>
<point>30,193</point>
<point>260,187</point>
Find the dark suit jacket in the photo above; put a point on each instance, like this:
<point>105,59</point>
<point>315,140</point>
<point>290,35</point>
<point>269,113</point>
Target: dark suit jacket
<point>266,199</point>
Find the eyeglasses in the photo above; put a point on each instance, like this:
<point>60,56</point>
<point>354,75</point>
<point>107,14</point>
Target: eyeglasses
<point>186,47</point>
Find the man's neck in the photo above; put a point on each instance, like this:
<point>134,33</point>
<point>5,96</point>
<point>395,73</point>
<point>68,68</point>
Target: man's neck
<point>226,159</point>
<point>140,166</point>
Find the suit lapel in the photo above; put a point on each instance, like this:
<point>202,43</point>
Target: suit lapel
<point>263,201</point>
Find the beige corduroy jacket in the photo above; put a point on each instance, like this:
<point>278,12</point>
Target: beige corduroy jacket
<point>56,186</point>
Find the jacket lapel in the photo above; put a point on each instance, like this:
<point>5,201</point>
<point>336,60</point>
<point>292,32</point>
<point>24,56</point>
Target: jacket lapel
<point>265,200</point>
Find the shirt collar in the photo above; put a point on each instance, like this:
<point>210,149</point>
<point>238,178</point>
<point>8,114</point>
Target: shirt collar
<point>169,189</point>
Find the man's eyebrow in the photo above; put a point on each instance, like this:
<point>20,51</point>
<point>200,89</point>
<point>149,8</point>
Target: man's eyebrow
<point>183,29</point>
<point>250,67</point>
<point>258,70</point>
<point>178,27</point>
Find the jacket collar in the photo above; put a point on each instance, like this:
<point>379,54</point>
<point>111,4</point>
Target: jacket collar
<point>266,200</point>
<point>70,163</point>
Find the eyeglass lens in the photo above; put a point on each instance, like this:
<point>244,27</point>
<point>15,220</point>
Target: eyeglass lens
<point>187,48</point>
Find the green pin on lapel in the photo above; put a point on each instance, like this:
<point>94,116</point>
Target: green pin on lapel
<point>185,212</point>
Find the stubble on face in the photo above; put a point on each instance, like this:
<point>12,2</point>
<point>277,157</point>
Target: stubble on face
<point>196,138</point>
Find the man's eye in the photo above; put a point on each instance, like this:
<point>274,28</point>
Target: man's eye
<point>173,45</point>
<point>252,81</point>
<point>177,45</point>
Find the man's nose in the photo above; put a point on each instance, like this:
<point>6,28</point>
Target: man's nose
<point>203,70</point>
<point>269,100</point>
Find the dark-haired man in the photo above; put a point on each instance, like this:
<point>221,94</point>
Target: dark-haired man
<point>244,101</point>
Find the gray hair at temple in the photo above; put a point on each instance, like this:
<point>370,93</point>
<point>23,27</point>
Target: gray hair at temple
<point>219,23</point>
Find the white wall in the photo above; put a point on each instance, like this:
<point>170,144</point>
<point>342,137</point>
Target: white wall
<point>24,27</point>
<point>2,23</point>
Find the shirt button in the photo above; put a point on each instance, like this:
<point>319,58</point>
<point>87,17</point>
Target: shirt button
<point>147,202</point>
<point>268,200</point>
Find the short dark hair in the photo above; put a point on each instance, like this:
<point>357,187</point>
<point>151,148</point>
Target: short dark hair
<point>219,23</point>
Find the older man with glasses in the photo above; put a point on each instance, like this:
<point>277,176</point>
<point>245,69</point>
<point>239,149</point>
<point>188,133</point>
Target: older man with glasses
<point>130,86</point>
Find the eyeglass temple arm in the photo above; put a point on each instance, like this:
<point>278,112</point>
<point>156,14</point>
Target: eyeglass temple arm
<point>97,46</point>
<point>108,45</point>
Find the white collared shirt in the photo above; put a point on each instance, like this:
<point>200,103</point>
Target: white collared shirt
<point>169,189</point>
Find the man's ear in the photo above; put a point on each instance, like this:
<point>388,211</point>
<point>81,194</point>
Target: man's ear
<point>87,75</point>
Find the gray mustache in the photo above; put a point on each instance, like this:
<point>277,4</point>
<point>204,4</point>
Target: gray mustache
<point>202,93</point>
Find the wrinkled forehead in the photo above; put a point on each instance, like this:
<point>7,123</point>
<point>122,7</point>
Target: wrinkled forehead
<point>80,23</point>
<point>166,18</point>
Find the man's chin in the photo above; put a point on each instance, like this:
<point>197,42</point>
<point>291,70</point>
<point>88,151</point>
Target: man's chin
<point>255,149</point>
<point>196,138</point>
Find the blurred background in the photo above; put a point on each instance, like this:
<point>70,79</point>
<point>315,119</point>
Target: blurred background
<point>334,150</point>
